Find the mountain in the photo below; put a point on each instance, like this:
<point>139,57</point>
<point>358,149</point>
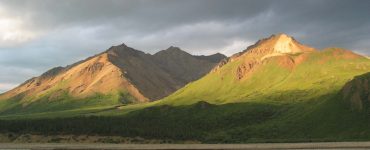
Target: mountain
<point>275,65</point>
<point>119,75</point>
<point>277,90</point>
<point>185,67</point>
<point>213,58</point>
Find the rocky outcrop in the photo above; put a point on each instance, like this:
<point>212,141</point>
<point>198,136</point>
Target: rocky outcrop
<point>245,68</point>
<point>280,45</point>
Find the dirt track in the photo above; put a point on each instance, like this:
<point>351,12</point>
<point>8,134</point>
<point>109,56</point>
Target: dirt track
<point>326,145</point>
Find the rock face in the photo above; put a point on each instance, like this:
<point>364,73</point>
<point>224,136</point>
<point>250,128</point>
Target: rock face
<point>357,93</point>
<point>145,77</point>
<point>276,45</point>
<point>286,44</point>
<point>280,45</point>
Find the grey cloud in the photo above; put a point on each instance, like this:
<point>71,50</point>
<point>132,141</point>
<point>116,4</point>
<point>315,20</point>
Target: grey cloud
<point>71,30</point>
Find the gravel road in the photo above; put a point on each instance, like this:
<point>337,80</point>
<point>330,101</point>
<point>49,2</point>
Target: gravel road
<point>49,146</point>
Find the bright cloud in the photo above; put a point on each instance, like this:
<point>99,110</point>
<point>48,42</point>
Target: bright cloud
<point>13,30</point>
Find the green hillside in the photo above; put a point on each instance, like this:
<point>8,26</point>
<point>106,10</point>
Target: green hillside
<point>321,73</point>
<point>58,100</point>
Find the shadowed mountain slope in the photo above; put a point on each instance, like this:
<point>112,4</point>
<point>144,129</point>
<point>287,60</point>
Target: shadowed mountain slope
<point>357,93</point>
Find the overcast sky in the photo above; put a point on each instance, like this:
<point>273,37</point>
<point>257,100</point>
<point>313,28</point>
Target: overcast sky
<point>36,35</point>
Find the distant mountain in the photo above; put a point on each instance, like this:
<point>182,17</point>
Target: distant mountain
<point>126,74</point>
<point>185,67</point>
<point>213,58</point>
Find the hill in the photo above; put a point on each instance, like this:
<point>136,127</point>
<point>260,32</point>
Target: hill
<point>120,75</point>
<point>357,93</point>
<point>277,65</point>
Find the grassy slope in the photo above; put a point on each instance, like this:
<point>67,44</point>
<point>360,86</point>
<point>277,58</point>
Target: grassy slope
<point>306,101</point>
<point>318,75</point>
<point>274,105</point>
<point>45,104</point>
<point>299,104</point>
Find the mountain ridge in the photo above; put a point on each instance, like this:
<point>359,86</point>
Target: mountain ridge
<point>248,69</point>
<point>118,69</point>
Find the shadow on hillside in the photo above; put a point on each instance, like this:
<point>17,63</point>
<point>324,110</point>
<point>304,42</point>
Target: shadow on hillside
<point>164,122</point>
<point>202,121</point>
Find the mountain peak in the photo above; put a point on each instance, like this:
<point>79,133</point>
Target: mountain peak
<point>123,50</point>
<point>281,43</point>
<point>284,38</point>
<point>286,44</point>
<point>123,45</point>
<point>173,48</point>
<point>282,35</point>
<point>274,45</point>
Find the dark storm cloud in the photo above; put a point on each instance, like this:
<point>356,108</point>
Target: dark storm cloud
<point>39,34</point>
